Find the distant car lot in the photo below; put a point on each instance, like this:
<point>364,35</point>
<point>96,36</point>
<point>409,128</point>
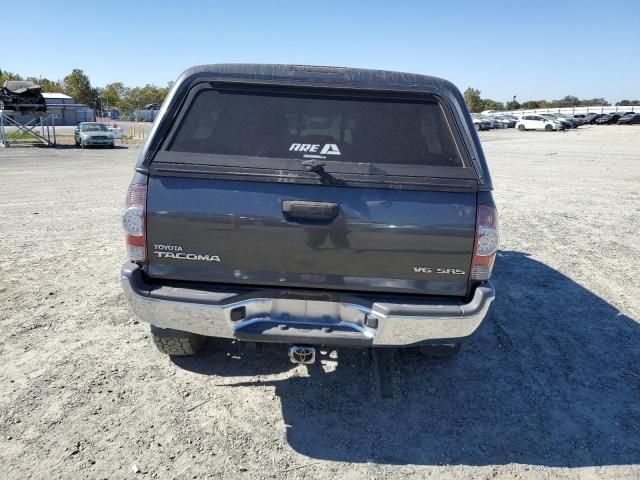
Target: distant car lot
<point>550,120</point>
<point>550,389</point>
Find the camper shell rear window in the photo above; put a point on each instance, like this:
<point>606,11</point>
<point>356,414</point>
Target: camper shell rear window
<point>280,130</point>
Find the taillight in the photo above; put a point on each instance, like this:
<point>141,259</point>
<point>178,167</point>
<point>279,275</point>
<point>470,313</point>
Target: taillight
<point>487,239</point>
<point>133,222</point>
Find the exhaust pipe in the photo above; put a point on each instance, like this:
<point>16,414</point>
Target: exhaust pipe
<point>302,354</point>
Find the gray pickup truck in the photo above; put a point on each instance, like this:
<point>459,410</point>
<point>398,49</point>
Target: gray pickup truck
<point>310,206</point>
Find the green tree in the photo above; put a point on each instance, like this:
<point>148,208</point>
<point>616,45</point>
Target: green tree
<point>513,105</point>
<point>473,99</point>
<point>114,93</point>
<point>601,102</point>
<point>78,86</point>
<point>628,102</point>
<point>5,75</point>
<point>49,86</point>
<point>530,105</point>
<point>52,86</point>
<point>568,101</point>
<point>138,97</point>
<point>488,104</point>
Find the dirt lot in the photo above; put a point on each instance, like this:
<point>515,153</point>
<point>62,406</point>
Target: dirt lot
<point>549,388</point>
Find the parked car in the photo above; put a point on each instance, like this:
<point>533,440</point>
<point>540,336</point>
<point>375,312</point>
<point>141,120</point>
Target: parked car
<point>493,122</point>
<point>608,119</point>
<point>479,123</point>
<point>566,124</point>
<point>574,121</point>
<point>592,117</point>
<point>88,134</point>
<point>580,117</point>
<point>295,216</point>
<point>486,120</point>
<point>512,120</point>
<point>538,122</point>
<point>629,119</point>
<point>151,106</point>
<point>506,121</point>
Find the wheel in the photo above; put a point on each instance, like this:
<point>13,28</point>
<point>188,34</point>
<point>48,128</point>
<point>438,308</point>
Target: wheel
<point>176,342</point>
<point>521,128</point>
<point>442,350</point>
<point>77,142</point>
<point>548,128</point>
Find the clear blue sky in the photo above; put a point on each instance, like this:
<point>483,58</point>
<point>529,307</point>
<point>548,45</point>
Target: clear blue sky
<point>533,49</point>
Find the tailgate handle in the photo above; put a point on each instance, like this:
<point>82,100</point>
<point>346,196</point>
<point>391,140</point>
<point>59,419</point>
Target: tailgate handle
<point>303,210</point>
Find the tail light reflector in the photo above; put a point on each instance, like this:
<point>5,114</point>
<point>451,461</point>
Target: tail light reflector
<point>133,222</point>
<point>487,240</point>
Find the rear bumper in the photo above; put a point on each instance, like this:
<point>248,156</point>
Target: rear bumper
<point>310,317</point>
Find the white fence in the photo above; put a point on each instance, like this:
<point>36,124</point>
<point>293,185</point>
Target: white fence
<point>575,110</point>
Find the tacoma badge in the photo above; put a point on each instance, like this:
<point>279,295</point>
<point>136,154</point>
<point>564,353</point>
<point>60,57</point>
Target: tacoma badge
<point>175,251</point>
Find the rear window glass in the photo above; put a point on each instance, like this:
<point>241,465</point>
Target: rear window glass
<point>330,128</point>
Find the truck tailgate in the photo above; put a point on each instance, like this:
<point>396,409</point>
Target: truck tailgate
<point>265,233</point>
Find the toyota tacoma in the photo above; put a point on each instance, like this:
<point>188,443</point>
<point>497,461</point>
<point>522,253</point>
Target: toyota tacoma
<point>310,206</point>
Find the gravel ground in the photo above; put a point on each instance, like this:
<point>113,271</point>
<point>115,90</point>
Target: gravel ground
<point>549,388</point>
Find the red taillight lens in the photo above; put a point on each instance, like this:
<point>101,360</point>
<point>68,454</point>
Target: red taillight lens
<point>133,222</point>
<point>487,240</point>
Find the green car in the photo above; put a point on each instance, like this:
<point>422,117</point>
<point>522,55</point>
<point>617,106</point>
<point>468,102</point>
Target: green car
<point>89,134</point>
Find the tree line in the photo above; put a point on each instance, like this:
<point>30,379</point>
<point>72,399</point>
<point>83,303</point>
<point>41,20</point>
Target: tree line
<point>112,96</point>
<point>476,103</point>
<point>120,97</point>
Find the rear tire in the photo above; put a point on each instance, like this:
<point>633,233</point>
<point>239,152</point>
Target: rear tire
<point>176,342</point>
<point>548,128</point>
<point>521,128</point>
<point>444,350</point>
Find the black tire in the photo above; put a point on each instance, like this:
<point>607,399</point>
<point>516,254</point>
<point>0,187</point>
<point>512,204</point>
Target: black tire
<point>444,350</point>
<point>77,142</point>
<point>176,342</point>
<point>548,128</point>
<point>521,128</point>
